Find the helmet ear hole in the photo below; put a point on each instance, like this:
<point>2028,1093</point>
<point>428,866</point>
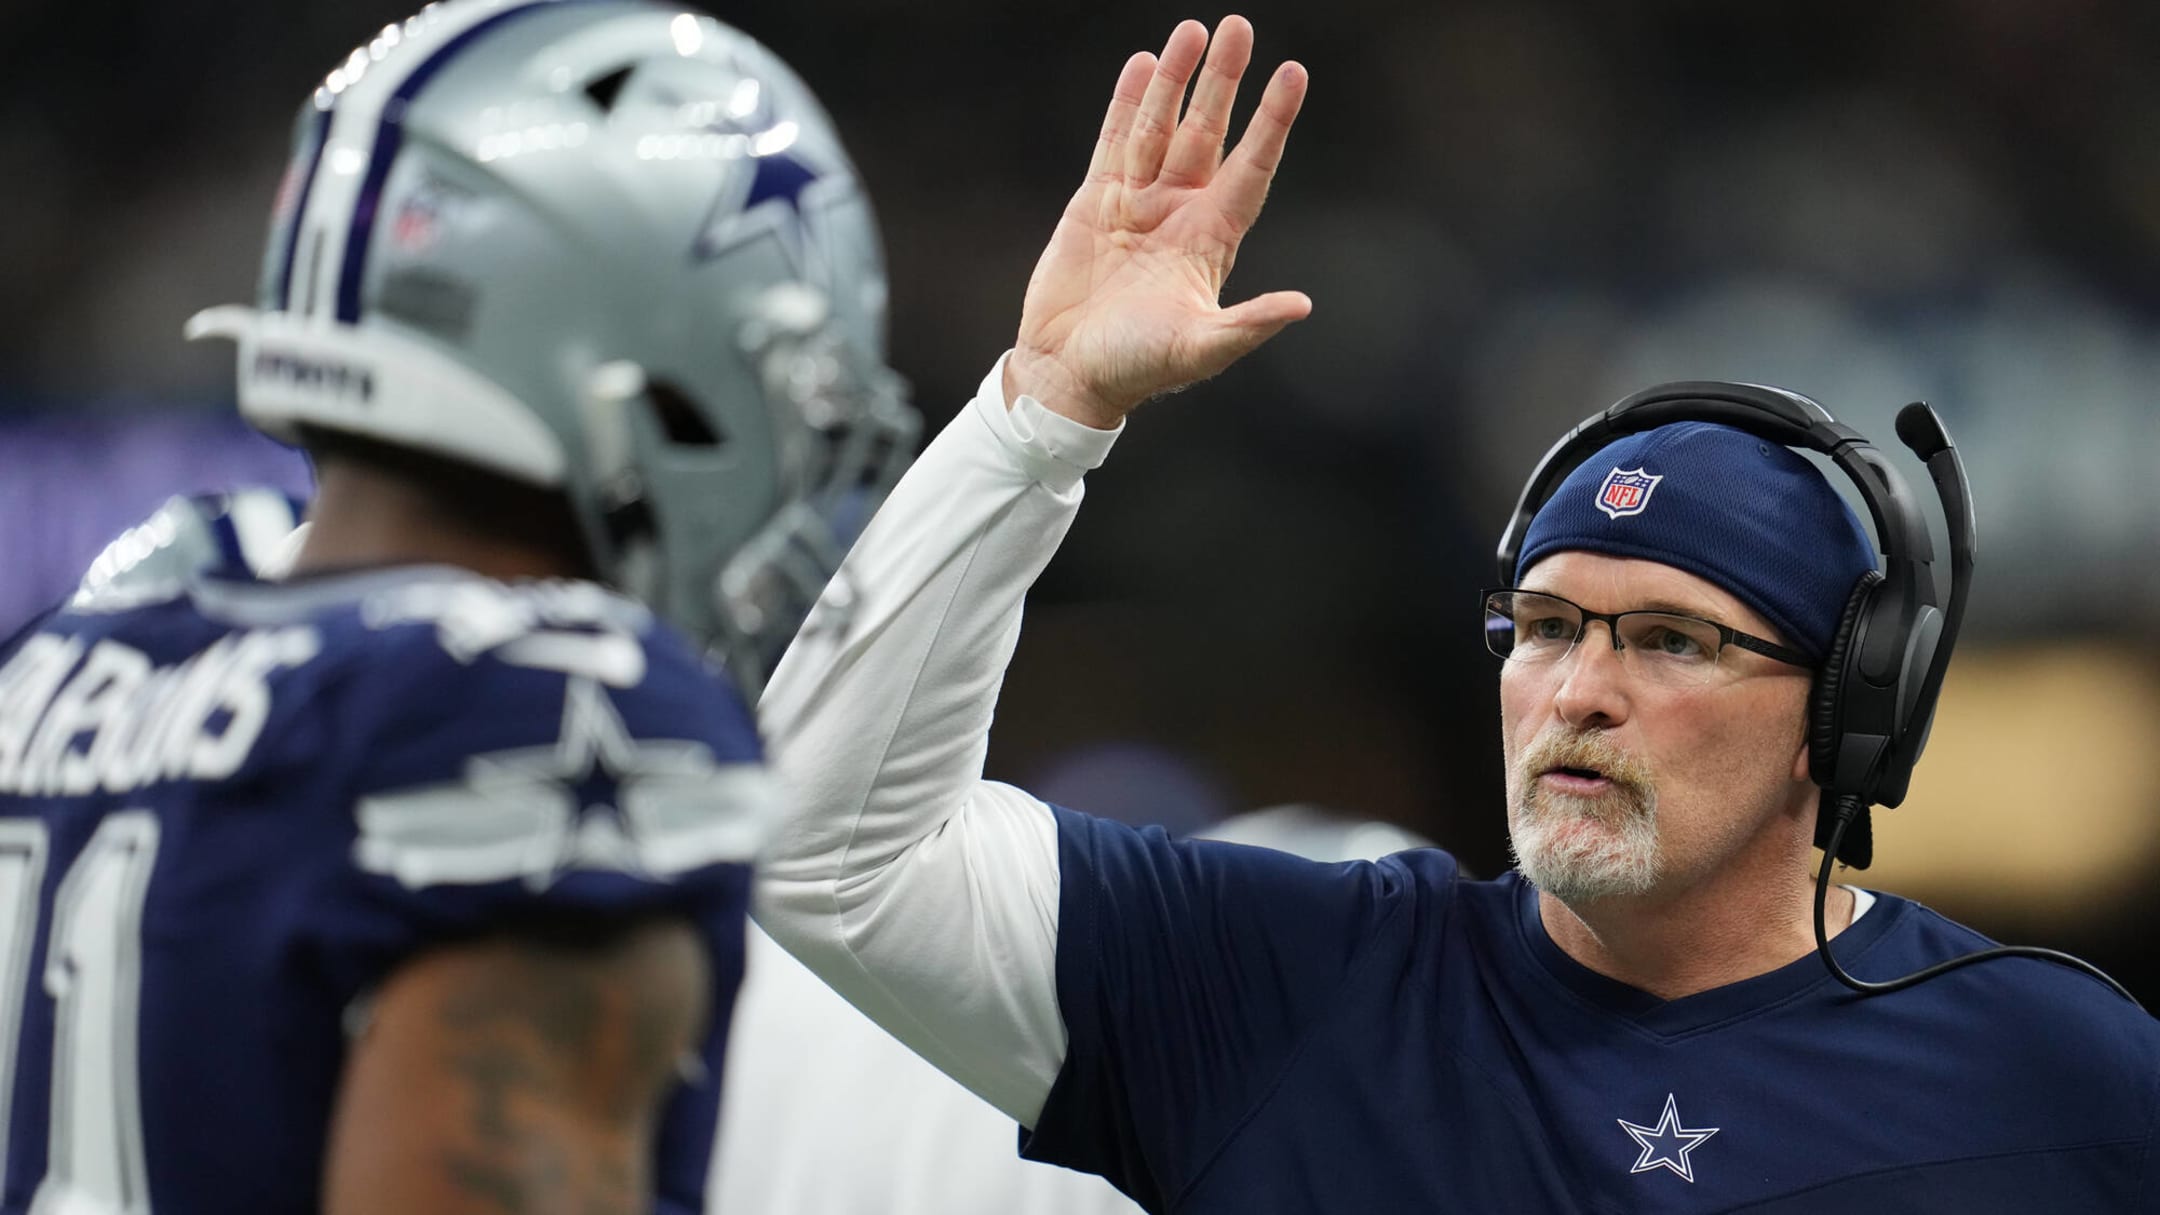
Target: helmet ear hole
<point>680,419</point>
<point>604,89</point>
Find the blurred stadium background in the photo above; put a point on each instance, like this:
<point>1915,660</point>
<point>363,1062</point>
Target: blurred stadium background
<point>1508,212</point>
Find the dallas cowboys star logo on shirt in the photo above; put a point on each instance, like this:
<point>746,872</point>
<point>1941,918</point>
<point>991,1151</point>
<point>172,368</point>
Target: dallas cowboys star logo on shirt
<point>594,758</point>
<point>1666,1145</point>
<point>597,798</point>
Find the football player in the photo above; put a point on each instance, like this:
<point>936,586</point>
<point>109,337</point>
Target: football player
<point>416,882</point>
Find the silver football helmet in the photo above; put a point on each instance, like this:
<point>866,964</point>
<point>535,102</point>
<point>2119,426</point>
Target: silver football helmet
<point>609,247</point>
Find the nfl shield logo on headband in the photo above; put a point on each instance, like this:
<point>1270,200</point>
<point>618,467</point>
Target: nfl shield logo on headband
<point>1626,492</point>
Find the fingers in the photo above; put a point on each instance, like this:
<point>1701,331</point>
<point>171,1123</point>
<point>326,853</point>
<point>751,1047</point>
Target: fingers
<point>1242,185</point>
<point>1241,330</point>
<point>1124,107</point>
<point>1264,316</point>
<point>1158,114</point>
<point>1197,147</point>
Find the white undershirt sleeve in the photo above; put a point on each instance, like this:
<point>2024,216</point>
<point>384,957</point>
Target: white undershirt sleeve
<point>925,895</point>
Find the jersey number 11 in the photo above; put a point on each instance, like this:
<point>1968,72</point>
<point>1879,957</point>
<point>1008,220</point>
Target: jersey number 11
<point>93,975</point>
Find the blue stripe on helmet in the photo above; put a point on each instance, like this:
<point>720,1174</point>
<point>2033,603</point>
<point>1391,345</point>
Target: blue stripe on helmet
<point>299,210</point>
<point>389,137</point>
<point>232,555</point>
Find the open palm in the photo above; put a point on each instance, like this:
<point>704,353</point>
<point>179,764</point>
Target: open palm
<point>1125,301</point>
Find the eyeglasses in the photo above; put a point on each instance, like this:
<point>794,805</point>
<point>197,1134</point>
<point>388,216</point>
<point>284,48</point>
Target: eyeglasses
<point>1664,647</point>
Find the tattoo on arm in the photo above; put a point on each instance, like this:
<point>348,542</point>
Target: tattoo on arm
<point>541,1068</point>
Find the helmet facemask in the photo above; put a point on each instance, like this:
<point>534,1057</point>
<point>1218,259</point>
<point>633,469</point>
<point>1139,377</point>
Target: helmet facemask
<point>844,432</point>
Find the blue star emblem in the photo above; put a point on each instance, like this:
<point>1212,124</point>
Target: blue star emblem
<point>597,798</point>
<point>780,184</point>
<point>780,176</point>
<point>595,757</point>
<point>1666,1145</point>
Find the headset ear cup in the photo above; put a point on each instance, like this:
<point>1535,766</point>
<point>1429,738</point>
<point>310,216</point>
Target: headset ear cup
<point>1826,728</point>
<point>1823,707</point>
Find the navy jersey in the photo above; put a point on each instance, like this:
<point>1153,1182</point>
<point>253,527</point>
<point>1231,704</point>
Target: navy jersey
<point>227,814</point>
<point>1252,1033</point>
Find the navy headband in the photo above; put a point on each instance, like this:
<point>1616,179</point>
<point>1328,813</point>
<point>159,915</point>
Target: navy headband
<point>1749,515</point>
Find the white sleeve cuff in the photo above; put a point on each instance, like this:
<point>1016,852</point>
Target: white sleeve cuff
<point>1048,446</point>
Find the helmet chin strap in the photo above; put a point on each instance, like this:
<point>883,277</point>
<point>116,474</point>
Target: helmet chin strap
<point>611,390</point>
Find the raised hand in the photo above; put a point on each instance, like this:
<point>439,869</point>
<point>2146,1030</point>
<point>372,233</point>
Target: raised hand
<point>1125,303</point>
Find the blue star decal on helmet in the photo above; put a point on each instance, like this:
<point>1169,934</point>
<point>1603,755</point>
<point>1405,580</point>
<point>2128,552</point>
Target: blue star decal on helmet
<point>1666,1145</point>
<point>780,176</point>
<point>775,191</point>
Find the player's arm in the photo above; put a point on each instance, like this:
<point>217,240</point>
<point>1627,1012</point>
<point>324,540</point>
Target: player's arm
<point>518,1074</point>
<point>923,894</point>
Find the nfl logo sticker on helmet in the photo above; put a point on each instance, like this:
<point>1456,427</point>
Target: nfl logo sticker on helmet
<point>1626,491</point>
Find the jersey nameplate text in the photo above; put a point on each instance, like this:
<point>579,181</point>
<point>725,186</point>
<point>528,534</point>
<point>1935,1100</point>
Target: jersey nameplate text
<point>72,723</point>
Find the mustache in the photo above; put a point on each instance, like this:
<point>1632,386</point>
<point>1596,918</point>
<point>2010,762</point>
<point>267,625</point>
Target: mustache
<point>1590,750</point>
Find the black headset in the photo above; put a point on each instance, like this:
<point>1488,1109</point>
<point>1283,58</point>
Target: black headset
<point>1874,696</point>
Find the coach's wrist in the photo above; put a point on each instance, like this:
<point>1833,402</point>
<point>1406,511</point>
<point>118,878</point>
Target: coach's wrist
<point>1043,377</point>
<point>1035,440</point>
